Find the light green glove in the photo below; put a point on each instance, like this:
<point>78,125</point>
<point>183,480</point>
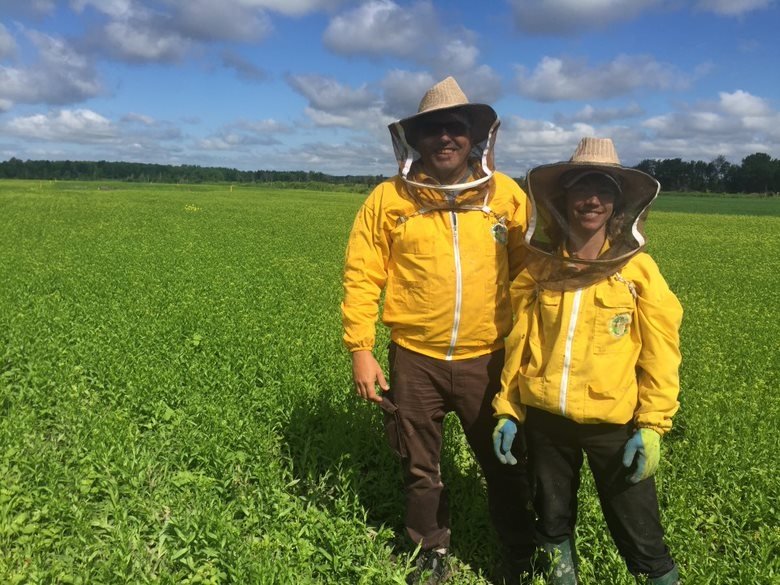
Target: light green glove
<point>503,437</point>
<point>645,446</point>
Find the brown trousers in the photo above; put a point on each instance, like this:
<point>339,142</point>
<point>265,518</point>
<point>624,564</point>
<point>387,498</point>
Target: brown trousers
<point>424,390</point>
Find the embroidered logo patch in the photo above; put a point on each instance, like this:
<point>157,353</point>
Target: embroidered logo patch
<point>619,325</point>
<point>499,233</point>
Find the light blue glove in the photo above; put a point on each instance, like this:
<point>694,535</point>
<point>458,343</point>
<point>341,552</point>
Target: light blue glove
<point>503,437</point>
<point>645,446</point>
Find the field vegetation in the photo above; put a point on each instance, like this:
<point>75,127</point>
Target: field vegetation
<point>176,407</point>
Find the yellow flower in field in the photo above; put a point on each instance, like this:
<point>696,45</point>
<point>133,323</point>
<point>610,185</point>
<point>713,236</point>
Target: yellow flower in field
<point>191,208</point>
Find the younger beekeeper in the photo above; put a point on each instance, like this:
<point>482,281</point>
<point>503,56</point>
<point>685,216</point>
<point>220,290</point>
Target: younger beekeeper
<point>592,360</point>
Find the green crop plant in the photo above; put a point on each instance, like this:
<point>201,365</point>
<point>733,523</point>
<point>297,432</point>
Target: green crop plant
<point>176,406</point>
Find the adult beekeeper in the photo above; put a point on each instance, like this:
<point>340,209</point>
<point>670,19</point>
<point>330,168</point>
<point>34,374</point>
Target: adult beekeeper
<point>592,361</point>
<point>442,239</point>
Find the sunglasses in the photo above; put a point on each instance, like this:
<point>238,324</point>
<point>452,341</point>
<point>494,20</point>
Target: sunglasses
<point>439,127</point>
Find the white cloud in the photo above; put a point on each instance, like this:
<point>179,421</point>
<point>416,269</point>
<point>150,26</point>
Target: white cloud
<point>136,42</point>
<point>732,7</point>
<point>735,125</point>
<point>523,143</point>
<point>403,91</point>
<point>292,7</point>
<point>79,126</point>
<point>207,20</point>
<point>7,43</point>
<point>141,32</point>
<point>741,103</point>
<point>384,28</point>
<point>242,133</point>
<point>590,115</point>
<point>114,8</point>
<point>60,76</point>
<point>328,95</point>
<point>356,157</point>
<point>569,79</point>
<point>565,16</point>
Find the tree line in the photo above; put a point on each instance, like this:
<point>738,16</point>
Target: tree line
<point>757,173</point>
<point>63,170</point>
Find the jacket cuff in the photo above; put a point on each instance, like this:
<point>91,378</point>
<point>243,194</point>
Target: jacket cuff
<point>504,407</point>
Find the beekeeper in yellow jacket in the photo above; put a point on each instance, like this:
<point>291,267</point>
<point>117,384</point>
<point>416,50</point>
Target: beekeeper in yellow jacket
<point>592,360</point>
<point>442,239</point>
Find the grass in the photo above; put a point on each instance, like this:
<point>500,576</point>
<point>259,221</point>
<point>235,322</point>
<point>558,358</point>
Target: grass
<point>176,407</point>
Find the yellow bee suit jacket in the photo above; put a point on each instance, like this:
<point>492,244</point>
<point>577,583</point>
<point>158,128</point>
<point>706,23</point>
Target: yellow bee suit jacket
<point>605,353</point>
<point>445,273</point>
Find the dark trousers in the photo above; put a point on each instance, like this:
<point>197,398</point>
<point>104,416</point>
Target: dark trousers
<point>424,390</point>
<point>555,450</point>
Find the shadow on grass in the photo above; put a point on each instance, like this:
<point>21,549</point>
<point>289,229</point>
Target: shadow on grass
<point>341,438</point>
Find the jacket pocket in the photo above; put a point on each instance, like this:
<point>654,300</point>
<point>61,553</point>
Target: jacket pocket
<point>407,303</point>
<point>614,328</point>
<point>612,401</point>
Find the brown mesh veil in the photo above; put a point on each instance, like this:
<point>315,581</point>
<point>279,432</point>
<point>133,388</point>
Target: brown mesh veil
<point>548,262</point>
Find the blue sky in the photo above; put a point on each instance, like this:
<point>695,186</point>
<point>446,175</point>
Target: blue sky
<point>312,84</point>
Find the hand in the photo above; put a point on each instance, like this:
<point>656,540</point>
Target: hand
<point>503,437</point>
<point>645,446</point>
<point>367,373</point>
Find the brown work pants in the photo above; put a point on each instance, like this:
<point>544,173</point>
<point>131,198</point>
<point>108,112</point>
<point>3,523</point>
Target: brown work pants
<point>424,390</point>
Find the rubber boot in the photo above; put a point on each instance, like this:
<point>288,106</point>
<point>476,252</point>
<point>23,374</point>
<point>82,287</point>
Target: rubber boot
<point>563,562</point>
<point>671,578</point>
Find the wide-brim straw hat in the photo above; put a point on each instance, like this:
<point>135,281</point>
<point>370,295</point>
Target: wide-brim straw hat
<point>548,225</point>
<point>447,95</point>
<point>593,155</point>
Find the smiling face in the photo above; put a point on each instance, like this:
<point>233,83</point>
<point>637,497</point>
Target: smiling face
<point>590,203</point>
<point>444,143</point>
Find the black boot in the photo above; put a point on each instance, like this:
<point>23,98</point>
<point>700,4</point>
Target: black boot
<point>671,578</point>
<point>562,559</point>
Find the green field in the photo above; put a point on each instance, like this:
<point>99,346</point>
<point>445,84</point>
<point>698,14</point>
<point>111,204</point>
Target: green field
<point>176,407</point>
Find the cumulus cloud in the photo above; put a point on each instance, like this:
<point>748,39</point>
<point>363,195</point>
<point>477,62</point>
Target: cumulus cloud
<point>356,157</point>
<point>403,90</point>
<point>61,75</point>
<point>328,95</point>
<point>138,32</point>
<point>334,105</point>
<point>591,115</point>
<point>292,7</point>
<point>245,133</point>
<point>524,143</point>
<point>383,28</point>
<point>572,79</point>
<point>135,42</point>
<point>732,7</point>
<point>560,17</point>
<point>735,125</point>
<point>565,16</point>
<point>79,126</point>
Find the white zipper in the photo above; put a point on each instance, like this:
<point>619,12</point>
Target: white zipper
<point>575,310</point>
<point>458,286</point>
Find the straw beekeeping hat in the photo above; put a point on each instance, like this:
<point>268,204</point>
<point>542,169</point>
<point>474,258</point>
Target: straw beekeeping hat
<point>483,124</point>
<point>447,95</point>
<point>593,155</point>
<point>548,226</point>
